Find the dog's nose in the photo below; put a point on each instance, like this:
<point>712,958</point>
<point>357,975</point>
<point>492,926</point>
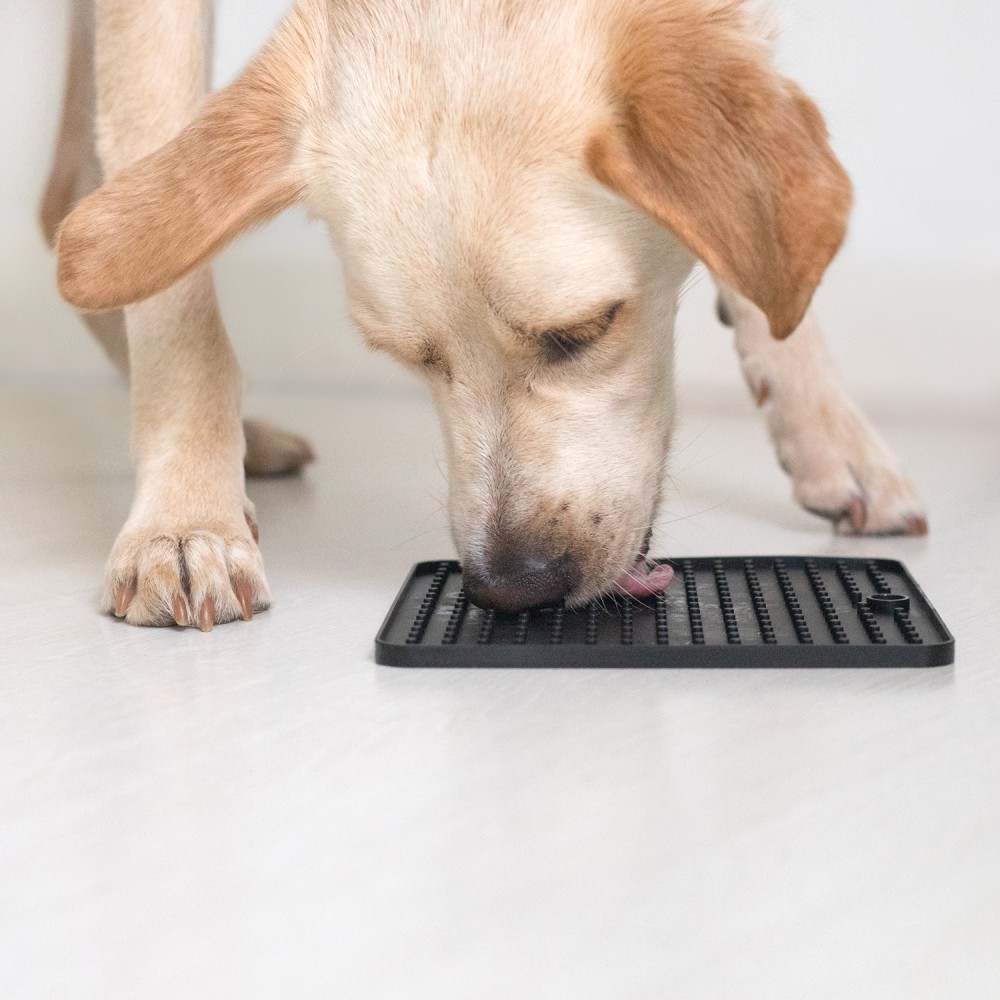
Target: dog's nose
<point>520,582</point>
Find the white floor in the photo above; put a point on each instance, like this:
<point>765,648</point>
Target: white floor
<point>263,812</point>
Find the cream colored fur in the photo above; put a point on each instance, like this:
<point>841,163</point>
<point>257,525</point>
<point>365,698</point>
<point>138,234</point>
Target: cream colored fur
<point>502,181</point>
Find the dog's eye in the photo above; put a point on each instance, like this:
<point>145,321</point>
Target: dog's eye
<point>559,346</point>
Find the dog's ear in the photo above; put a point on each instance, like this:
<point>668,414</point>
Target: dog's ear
<point>731,157</point>
<point>231,168</point>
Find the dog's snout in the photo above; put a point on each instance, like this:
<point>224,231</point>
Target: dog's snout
<point>518,581</point>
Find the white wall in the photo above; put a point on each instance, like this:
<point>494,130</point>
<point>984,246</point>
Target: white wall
<point>910,88</point>
<point>912,92</point>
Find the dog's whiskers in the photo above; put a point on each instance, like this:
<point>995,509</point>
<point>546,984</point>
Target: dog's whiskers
<point>696,276</point>
<point>421,534</point>
<point>271,380</point>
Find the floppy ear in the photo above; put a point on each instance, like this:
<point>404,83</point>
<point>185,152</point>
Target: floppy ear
<point>731,157</point>
<point>162,217</point>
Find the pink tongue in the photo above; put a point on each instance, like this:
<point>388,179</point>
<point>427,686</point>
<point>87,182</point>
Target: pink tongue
<point>639,582</point>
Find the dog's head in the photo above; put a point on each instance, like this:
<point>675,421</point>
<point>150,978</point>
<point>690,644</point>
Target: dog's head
<point>517,192</point>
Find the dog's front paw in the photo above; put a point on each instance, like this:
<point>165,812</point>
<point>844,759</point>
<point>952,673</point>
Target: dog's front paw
<point>206,576</point>
<point>840,470</point>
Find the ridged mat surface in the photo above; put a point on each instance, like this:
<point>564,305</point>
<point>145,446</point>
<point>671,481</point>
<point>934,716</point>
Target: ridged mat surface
<point>758,611</point>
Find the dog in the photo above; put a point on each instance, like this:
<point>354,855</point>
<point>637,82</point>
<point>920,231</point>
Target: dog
<point>518,192</point>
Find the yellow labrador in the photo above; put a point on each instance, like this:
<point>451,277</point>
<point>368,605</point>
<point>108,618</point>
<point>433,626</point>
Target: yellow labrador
<point>517,191</point>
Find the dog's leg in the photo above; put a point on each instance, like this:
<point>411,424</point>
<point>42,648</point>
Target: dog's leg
<point>76,171</point>
<point>187,553</point>
<point>839,467</point>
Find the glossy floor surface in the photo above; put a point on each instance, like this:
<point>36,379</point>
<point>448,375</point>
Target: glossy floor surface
<point>263,812</point>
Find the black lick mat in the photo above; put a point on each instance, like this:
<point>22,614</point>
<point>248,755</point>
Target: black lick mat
<point>762,611</point>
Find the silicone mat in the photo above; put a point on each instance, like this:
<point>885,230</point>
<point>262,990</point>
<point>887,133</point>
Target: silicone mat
<point>759,611</point>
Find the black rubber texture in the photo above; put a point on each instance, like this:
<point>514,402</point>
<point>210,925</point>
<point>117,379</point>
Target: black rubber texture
<point>758,611</point>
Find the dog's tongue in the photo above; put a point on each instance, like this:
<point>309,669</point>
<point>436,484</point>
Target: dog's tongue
<point>645,579</point>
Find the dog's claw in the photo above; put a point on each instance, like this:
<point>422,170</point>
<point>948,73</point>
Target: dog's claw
<point>853,520</point>
<point>180,611</point>
<point>124,593</point>
<point>188,579</point>
<point>856,514</point>
<point>206,615</point>
<point>253,526</point>
<point>244,595</point>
